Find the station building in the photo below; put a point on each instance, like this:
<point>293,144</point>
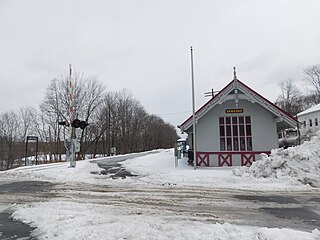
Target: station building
<point>235,126</point>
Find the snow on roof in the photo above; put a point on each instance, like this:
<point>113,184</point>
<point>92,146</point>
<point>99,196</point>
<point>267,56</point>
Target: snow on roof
<point>310,110</point>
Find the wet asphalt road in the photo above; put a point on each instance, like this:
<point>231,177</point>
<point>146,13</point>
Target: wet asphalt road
<point>295,210</point>
<point>14,229</point>
<point>286,209</point>
<point>11,229</point>
<point>295,214</point>
<point>113,167</point>
<point>21,193</point>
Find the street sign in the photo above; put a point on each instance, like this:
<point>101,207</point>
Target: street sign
<point>32,138</point>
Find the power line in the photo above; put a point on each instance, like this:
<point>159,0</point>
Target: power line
<point>176,113</point>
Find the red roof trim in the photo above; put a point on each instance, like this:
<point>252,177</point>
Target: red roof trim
<point>275,106</point>
<point>250,89</point>
<point>207,103</point>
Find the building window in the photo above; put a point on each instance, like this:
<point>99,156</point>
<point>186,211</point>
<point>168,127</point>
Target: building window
<point>304,124</point>
<point>316,121</point>
<point>235,133</point>
<point>310,121</point>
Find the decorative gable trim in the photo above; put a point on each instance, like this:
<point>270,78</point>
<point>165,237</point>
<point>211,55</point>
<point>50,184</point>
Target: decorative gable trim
<point>251,95</point>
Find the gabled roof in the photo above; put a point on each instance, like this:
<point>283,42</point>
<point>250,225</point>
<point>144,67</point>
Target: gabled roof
<point>243,92</point>
<point>310,110</point>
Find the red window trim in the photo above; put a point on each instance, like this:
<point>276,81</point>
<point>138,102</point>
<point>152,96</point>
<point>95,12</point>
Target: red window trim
<point>229,124</point>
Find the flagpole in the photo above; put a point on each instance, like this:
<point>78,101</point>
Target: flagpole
<point>193,114</point>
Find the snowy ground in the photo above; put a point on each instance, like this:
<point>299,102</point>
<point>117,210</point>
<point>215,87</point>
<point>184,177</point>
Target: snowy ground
<point>99,214</point>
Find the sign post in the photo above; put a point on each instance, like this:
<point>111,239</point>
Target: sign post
<point>31,138</point>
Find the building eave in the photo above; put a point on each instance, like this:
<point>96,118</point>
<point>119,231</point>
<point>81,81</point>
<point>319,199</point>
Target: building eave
<point>252,96</point>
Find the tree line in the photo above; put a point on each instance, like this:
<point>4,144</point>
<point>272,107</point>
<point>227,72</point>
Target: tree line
<point>116,121</point>
<point>293,99</point>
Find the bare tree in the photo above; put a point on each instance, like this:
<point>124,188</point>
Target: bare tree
<point>122,122</point>
<point>290,99</point>
<point>28,117</point>
<point>54,108</point>
<point>312,77</point>
<point>105,123</point>
<point>87,96</point>
<point>116,120</point>
<point>9,131</point>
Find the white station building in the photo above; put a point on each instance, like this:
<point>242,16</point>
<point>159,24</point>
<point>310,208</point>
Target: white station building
<point>235,126</point>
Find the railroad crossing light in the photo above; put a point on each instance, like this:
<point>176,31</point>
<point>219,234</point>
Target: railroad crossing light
<point>64,123</point>
<point>75,123</point>
<point>79,124</point>
<point>83,124</point>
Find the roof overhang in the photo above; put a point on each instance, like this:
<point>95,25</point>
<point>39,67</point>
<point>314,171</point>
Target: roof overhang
<point>247,94</point>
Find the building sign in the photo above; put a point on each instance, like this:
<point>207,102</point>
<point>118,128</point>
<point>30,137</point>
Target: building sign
<point>240,110</point>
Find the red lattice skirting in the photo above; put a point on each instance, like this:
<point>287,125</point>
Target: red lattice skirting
<point>225,158</point>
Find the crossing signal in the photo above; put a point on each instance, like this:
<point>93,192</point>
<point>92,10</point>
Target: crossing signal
<point>64,123</point>
<point>76,123</point>
<point>83,124</point>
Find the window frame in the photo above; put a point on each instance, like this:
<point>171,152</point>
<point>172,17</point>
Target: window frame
<point>235,133</point>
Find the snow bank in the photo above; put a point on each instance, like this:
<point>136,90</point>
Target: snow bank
<point>58,172</point>
<point>301,163</point>
<point>73,220</point>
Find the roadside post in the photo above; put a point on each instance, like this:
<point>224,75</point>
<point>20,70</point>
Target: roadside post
<point>176,155</point>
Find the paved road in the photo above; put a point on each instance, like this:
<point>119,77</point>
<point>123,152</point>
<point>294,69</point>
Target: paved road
<point>295,210</point>
<point>33,191</point>
<point>113,167</point>
<point>19,193</point>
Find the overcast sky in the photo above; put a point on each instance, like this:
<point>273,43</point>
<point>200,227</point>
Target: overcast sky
<point>144,46</point>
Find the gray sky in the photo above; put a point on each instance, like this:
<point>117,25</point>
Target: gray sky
<point>144,46</point>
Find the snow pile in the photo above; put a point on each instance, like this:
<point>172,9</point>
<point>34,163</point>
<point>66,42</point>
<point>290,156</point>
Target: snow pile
<point>83,172</point>
<point>301,163</point>
<point>75,220</point>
